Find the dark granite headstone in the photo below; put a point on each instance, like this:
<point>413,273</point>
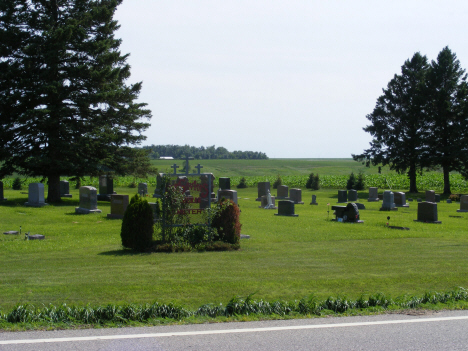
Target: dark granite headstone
<point>295,195</point>
<point>463,203</point>
<point>352,195</point>
<point>225,183</point>
<point>314,200</point>
<point>262,189</point>
<point>286,208</point>
<point>430,196</point>
<point>400,199</point>
<point>1,192</point>
<point>342,196</point>
<point>282,192</point>
<point>65,189</point>
<point>427,212</point>
<point>373,194</point>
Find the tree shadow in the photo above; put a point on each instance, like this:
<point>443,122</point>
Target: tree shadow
<point>123,252</point>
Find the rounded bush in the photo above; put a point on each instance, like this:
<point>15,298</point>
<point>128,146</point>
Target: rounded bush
<point>226,222</point>
<point>137,225</point>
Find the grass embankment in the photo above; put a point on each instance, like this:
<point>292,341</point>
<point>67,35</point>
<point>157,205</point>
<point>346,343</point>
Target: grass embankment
<point>82,261</point>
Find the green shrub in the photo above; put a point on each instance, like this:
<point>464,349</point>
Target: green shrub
<point>226,222</point>
<point>455,197</point>
<point>351,184</point>
<point>137,225</point>
<point>17,184</point>
<point>242,183</point>
<point>360,182</point>
<point>313,182</point>
<point>277,182</point>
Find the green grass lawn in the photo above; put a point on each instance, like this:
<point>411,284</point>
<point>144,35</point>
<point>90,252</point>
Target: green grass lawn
<point>82,261</point>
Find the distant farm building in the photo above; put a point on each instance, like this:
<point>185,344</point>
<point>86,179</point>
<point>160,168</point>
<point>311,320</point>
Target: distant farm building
<point>166,158</point>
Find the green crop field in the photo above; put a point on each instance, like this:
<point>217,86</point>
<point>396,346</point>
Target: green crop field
<point>82,262</point>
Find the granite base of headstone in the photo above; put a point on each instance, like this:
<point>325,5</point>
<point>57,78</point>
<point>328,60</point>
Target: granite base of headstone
<point>388,203</point>
<point>463,203</point>
<point>88,201</point>
<point>400,199</point>
<point>262,189</point>
<point>65,189</point>
<point>286,208</point>
<point>295,195</point>
<point>35,195</point>
<point>11,232</point>
<point>118,205</point>
<point>228,195</point>
<point>282,192</point>
<point>352,195</point>
<point>36,237</point>
<point>264,203</point>
<point>373,194</point>
<point>427,212</point>
<point>342,196</point>
<point>449,201</point>
<point>314,200</point>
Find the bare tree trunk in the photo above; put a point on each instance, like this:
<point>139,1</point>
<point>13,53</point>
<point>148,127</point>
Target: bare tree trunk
<point>446,182</point>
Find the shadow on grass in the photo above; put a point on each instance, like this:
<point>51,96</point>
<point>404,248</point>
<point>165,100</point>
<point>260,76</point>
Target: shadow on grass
<point>123,252</point>
<point>19,201</point>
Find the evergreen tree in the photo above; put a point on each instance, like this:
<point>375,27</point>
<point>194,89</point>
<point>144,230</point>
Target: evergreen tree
<point>64,106</point>
<point>399,122</point>
<point>448,110</point>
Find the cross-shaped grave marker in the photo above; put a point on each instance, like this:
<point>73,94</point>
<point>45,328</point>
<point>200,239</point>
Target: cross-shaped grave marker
<point>199,166</point>
<point>175,168</point>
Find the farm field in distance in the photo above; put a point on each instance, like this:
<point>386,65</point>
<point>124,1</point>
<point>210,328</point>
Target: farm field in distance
<point>81,260</point>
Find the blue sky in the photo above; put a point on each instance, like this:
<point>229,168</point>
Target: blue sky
<point>293,79</point>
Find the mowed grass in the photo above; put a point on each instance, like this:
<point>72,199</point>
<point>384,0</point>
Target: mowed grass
<point>82,261</point>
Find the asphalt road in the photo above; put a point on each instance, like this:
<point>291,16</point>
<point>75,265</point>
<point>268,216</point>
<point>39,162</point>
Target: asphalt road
<point>446,330</point>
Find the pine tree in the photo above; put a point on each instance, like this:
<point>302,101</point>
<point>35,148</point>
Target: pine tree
<point>448,111</point>
<point>399,122</point>
<point>64,106</point>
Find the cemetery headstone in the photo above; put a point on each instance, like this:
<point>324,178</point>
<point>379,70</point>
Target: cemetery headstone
<point>410,199</point>
<point>262,189</point>
<point>88,201</point>
<point>418,199</point>
<point>1,192</point>
<point>118,205</point>
<point>342,196</point>
<point>35,195</point>
<point>282,192</point>
<point>157,191</point>
<point>427,212</point>
<point>430,196</point>
<point>388,203</point>
<point>228,195</point>
<point>295,195</point>
<point>352,195</point>
<point>437,197</point>
<point>106,187</point>
<point>360,206</point>
<point>286,208</point>
<point>65,189</point>
<point>142,189</point>
<point>314,200</point>
<point>268,202</point>
<point>449,201</point>
<point>463,203</point>
<point>400,199</point>
<point>348,213</point>
<point>225,183</point>
<point>373,194</point>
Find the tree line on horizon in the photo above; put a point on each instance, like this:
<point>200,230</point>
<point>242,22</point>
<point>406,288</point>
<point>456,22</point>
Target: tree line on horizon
<point>421,120</point>
<point>201,153</point>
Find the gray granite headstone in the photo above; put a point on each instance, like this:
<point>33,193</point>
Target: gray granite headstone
<point>282,192</point>
<point>264,203</point>
<point>157,191</point>
<point>227,194</point>
<point>262,189</point>
<point>65,189</point>
<point>463,203</point>
<point>295,195</point>
<point>314,200</point>
<point>118,206</point>
<point>36,195</point>
<point>225,183</point>
<point>142,189</point>
<point>1,192</point>
<point>373,194</point>
<point>388,203</point>
<point>430,196</point>
<point>400,199</point>
<point>427,212</point>
<point>352,195</point>
<point>286,208</point>
<point>342,196</point>
<point>88,201</point>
